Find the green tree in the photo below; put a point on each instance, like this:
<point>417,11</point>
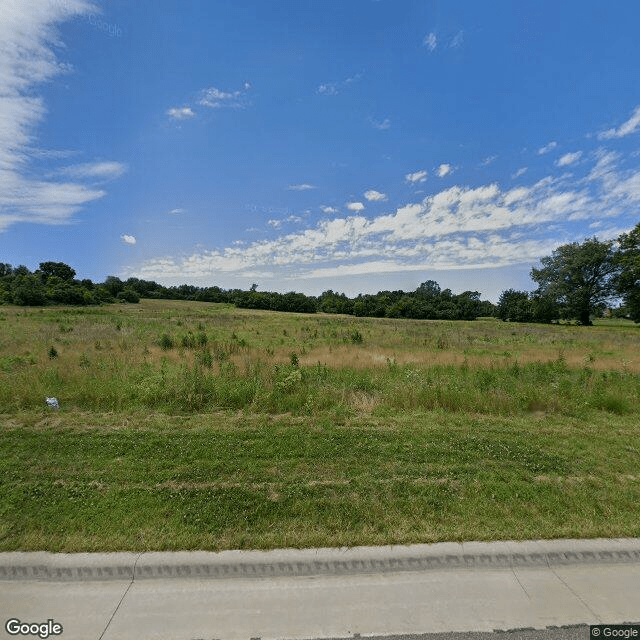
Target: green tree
<point>27,290</point>
<point>57,269</point>
<point>628,279</point>
<point>429,290</point>
<point>468,303</point>
<point>113,285</point>
<point>515,306</point>
<point>580,277</point>
<point>128,295</point>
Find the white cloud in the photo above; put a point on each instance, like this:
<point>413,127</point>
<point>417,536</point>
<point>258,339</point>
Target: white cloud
<point>520,172</point>
<point>488,160</point>
<point>176,212</point>
<point>181,113</point>
<point>301,187</point>
<point>418,176</point>
<point>276,224</point>
<point>329,210</point>
<point>98,170</point>
<point>380,125</point>
<point>375,196</point>
<point>630,126</point>
<point>444,170</point>
<point>548,147</point>
<point>214,98</point>
<point>430,41</point>
<point>457,40</point>
<point>456,228</point>
<point>568,158</point>
<point>329,89</point>
<point>333,88</point>
<point>28,36</point>
<point>127,239</point>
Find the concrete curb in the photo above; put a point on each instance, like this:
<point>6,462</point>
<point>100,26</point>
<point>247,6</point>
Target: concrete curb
<point>62,567</point>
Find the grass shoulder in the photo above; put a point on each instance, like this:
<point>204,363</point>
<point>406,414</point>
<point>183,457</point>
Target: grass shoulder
<point>79,481</point>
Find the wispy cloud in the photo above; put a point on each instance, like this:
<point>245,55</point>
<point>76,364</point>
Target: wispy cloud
<point>625,129</point>
<point>418,176</point>
<point>328,210</point>
<point>456,228</point>
<point>97,170</point>
<point>430,41</point>
<point>301,187</point>
<point>176,212</point>
<point>334,88</point>
<point>457,41</point>
<point>181,113</point>
<point>488,160</point>
<point>127,239</point>
<point>375,196</point>
<point>548,147</point>
<point>444,170</point>
<point>329,89</point>
<point>380,125</point>
<point>215,98</point>
<point>569,158</point>
<point>28,35</point>
<point>277,224</point>
<point>520,172</point>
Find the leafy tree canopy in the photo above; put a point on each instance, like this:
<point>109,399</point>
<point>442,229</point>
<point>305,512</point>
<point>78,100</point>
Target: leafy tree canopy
<point>580,277</point>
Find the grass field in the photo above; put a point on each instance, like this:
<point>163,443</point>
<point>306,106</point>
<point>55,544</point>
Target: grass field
<point>199,426</point>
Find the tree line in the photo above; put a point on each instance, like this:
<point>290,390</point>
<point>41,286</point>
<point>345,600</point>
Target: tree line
<point>577,282</point>
<point>55,283</point>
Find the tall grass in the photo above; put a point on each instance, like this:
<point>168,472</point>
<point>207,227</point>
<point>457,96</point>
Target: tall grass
<point>199,426</point>
<point>189,357</point>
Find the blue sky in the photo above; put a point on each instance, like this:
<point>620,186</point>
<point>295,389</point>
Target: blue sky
<point>353,145</point>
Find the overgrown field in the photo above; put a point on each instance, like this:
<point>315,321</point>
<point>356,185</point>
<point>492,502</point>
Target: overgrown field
<point>200,426</point>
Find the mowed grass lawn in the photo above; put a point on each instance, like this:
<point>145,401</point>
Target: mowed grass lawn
<point>199,426</point>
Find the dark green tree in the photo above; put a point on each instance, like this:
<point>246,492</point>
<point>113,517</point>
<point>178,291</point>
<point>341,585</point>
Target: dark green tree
<point>579,277</point>
<point>429,290</point>
<point>28,291</point>
<point>628,279</point>
<point>57,269</point>
<point>128,295</point>
<point>468,305</point>
<point>515,306</point>
<point>113,285</point>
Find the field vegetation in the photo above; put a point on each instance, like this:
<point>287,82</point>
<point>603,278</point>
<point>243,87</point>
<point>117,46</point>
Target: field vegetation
<point>191,425</point>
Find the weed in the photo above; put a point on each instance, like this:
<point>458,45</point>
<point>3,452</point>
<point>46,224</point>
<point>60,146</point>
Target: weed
<point>204,358</point>
<point>188,341</point>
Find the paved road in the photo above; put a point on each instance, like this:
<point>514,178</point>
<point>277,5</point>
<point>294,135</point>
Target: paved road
<point>329,593</point>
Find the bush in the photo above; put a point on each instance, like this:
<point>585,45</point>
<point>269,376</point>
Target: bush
<point>128,295</point>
